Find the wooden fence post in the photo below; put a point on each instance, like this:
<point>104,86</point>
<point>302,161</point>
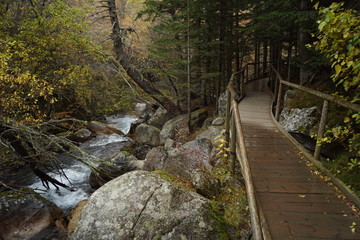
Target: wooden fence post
<point>227,118</point>
<point>278,101</point>
<point>321,129</point>
<point>242,83</point>
<point>247,72</point>
<point>233,144</point>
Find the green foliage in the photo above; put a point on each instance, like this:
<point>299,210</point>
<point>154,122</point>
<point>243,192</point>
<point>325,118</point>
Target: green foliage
<point>346,170</point>
<point>44,57</point>
<point>339,40</point>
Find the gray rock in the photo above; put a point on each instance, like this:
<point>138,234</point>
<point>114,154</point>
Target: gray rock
<point>208,122</point>
<point>205,184</point>
<point>147,135</point>
<point>169,143</point>
<point>222,104</point>
<point>299,120</point>
<point>180,124</point>
<point>134,125</point>
<point>23,216</point>
<point>212,133</point>
<point>155,159</point>
<point>171,126</point>
<point>114,128</point>
<point>122,163</point>
<point>141,151</point>
<point>182,159</point>
<point>140,108</point>
<point>198,117</point>
<point>82,135</point>
<point>99,128</point>
<point>159,118</point>
<point>218,121</point>
<point>140,205</point>
<point>288,97</point>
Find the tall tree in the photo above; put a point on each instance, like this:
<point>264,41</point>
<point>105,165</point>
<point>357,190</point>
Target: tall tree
<point>117,37</point>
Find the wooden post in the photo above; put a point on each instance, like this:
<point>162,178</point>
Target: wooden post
<point>228,117</point>
<point>242,83</point>
<point>247,72</point>
<point>276,87</point>
<point>278,101</point>
<point>321,129</point>
<point>233,145</point>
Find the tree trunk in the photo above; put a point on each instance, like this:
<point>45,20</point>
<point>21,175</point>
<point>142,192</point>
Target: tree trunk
<point>123,58</point>
<point>304,38</point>
<point>265,57</point>
<point>188,66</point>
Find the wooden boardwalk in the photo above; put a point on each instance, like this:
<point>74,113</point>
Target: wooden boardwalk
<point>296,203</point>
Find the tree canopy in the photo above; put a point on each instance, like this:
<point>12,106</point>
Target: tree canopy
<point>45,56</point>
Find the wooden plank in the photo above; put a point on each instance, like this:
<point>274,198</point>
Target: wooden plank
<point>308,207</point>
<point>295,203</point>
<point>316,225</point>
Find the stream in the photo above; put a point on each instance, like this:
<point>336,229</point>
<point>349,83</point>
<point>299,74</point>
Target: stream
<point>100,147</point>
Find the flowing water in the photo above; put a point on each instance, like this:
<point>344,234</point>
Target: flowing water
<point>101,147</point>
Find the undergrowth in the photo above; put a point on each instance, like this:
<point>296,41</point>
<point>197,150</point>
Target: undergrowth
<point>344,164</point>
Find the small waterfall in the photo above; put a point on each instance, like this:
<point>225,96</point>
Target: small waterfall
<point>101,147</point>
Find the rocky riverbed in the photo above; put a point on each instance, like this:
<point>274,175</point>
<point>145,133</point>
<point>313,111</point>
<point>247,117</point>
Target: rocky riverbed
<point>164,183</point>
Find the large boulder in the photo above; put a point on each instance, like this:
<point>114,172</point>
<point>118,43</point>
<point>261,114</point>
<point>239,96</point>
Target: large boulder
<point>155,159</point>
<point>182,159</point>
<point>213,133</point>
<point>299,119</point>
<point>24,215</point>
<point>147,135</point>
<point>180,124</point>
<point>205,183</point>
<point>135,124</point>
<point>141,205</point>
<point>198,117</point>
<point>222,101</point>
<point>170,127</point>
<point>74,217</point>
<point>122,163</point>
<point>159,118</point>
<point>99,128</point>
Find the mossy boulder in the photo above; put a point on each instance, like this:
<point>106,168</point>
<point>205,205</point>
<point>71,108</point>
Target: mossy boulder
<point>120,164</point>
<point>24,215</point>
<point>147,135</point>
<point>141,205</point>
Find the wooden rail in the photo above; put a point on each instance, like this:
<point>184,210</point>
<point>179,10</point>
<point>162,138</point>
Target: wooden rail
<point>235,138</point>
<point>327,98</point>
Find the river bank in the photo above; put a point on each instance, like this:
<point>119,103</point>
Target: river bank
<point>187,161</point>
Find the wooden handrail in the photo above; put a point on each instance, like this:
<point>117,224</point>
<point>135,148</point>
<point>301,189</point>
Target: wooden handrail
<point>236,140</point>
<point>325,96</point>
<point>244,162</point>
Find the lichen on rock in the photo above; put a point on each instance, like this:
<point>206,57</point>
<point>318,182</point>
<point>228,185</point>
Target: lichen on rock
<point>141,205</point>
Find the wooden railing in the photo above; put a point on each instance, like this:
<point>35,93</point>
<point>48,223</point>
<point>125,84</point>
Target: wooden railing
<point>326,97</point>
<point>280,83</point>
<point>235,139</point>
